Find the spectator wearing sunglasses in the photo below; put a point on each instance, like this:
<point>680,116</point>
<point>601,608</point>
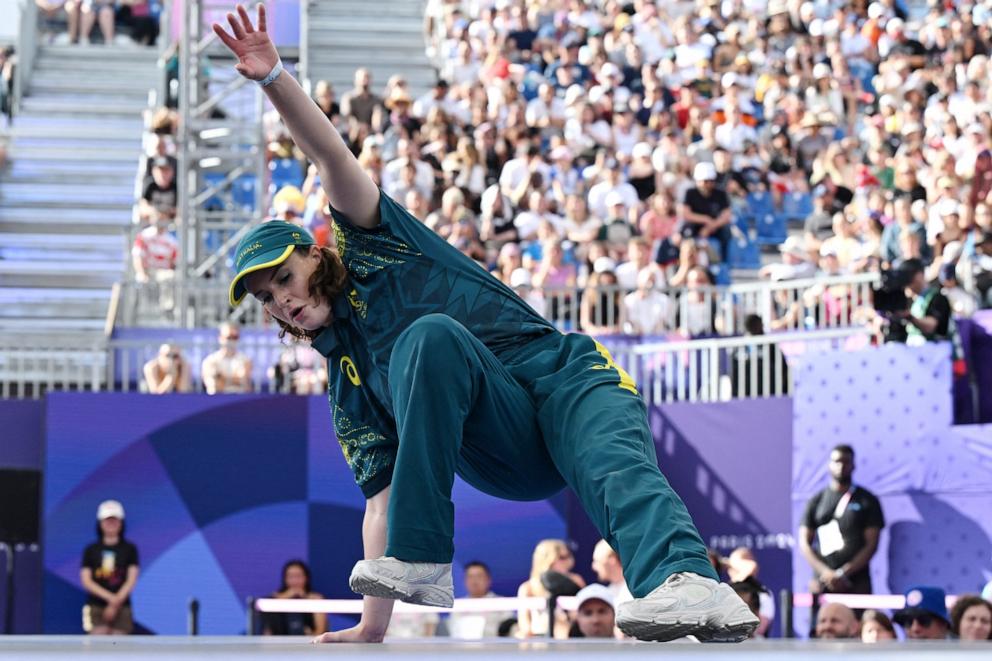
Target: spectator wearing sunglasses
<point>925,615</point>
<point>227,370</point>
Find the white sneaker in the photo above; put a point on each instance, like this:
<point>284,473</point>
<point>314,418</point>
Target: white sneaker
<point>424,583</point>
<point>688,604</point>
<point>84,41</point>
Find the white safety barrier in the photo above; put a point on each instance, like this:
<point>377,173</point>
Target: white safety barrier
<point>354,606</point>
<point>720,369</point>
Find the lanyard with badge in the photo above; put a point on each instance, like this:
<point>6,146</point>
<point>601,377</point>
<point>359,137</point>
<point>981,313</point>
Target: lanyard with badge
<point>828,535</point>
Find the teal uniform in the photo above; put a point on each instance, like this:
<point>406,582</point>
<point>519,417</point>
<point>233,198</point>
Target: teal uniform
<point>436,368</point>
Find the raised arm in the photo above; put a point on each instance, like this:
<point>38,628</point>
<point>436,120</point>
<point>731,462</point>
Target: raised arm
<point>348,187</point>
<point>376,613</point>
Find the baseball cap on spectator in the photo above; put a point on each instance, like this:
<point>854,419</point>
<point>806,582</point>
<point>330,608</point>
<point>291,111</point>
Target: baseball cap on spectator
<point>520,278</point>
<point>621,95</point>
<point>620,107</point>
<point>561,153</point>
<point>827,250</point>
<point>613,198</point>
<point>894,26</point>
<point>704,172</point>
<point>161,162</point>
<point>594,591</point>
<point>110,509</point>
<point>729,79</point>
<point>911,128</point>
<point>923,600</point>
<point>604,264</point>
<point>794,246</point>
<point>887,101</point>
<point>571,40</point>
<point>776,7</point>
<point>573,94</point>
<point>641,150</point>
<point>816,28</point>
<point>948,271</point>
<point>372,141</point>
<point>509,249</point>
<point>607,73</point>
<point>948,207</point>
<point>821,70</point>
<point>289,198</point>
<point>876,10</point>
<point>864,177</point>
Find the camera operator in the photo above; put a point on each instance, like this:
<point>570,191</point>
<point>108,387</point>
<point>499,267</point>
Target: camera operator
<point>926,314</point>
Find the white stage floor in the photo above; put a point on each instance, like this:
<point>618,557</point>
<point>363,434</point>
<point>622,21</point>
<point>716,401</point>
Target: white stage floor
<point>223,648</point>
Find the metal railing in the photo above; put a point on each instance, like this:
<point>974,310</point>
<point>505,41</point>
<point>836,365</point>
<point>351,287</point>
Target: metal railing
<point>807,304</point>
<point>721,369</point>
<point>27,50</point>
<point>783,306</point>
<point>125,360</point>
<point>708,370</point>
<point>32,365</point>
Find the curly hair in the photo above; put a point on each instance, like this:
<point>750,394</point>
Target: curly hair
<point>326,282</point>
<point>963,603</point>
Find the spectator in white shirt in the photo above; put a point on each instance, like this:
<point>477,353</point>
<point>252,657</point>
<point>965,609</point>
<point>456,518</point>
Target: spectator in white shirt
<point>612,182</point>
<point>647,309</point>
<point>734,133</point>
<point>227,370</point>
<point>473,626</point>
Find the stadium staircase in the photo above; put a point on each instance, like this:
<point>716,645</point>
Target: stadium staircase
<point>386,36</point>
<point>67,192</point>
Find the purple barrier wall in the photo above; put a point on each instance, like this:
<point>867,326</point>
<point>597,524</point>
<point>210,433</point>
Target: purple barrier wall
<point>973,396</point>
<point>220,492</point>
<point>893,405</point>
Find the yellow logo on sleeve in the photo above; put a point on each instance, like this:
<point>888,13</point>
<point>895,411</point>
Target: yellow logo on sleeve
<point>626,382</point>
<point>349,370</point>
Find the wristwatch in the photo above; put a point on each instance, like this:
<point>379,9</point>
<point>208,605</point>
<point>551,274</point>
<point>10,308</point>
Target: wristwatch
<point>839,572</point>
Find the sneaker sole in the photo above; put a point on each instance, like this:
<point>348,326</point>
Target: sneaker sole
<point>423,595</point>
<point>666,630</point>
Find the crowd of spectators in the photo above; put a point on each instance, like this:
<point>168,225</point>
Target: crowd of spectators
<point>607,159</point>
<point>121,22</point>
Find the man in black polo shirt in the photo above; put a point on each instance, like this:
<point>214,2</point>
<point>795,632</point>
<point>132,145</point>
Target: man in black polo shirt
<point>840,530</point>
<point>706,209</point>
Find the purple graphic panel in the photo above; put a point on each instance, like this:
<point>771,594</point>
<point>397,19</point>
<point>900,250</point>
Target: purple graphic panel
<point>219,493</point>
<point>893,405</point>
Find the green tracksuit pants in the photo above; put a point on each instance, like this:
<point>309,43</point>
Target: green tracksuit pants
<point>557,412</point>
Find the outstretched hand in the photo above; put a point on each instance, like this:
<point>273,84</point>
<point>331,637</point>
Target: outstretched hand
<point>254,49</point>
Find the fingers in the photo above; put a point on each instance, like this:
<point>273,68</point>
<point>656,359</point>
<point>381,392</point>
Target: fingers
<point>245,19</point>
<point>235,27</point>
<point>262,23</point>
<point>222,34</point>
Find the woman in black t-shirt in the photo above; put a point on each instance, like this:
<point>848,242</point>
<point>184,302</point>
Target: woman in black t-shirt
<point>109,573</point>
<point>295,585</point>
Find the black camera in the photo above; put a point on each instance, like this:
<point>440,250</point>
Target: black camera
<point>890,296</point>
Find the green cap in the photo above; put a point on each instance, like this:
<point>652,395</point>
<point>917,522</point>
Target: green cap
<point>267,245</point>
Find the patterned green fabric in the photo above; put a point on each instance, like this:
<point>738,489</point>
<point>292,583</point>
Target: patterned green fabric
<point>401,271</point>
